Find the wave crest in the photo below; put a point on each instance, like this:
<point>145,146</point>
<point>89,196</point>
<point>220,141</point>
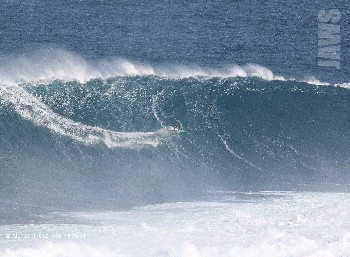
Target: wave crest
<point>48,65</point>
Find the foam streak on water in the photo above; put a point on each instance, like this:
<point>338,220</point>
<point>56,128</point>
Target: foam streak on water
<point>32,109</point>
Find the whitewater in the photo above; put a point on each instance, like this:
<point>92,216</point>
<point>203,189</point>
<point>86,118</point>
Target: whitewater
<point>231,224</point>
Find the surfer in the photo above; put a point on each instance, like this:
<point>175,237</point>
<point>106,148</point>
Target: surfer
<point>177,126</point>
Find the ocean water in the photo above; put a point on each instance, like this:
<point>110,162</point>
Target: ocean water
<point>90,164</point>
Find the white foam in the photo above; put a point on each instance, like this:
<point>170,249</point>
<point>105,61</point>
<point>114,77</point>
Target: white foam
<point>344,85</point>
<point>290,224</point>
<point>45,65</point>
<point>50,64</point>
<point>32,109</point>
<point>232,152</point>
<point>314,81</point>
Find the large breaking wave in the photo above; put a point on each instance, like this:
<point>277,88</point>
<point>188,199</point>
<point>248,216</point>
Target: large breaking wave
<point>81,135</point>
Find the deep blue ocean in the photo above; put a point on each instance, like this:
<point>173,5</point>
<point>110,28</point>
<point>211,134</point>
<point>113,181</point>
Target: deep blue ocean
<point>90,91</point>
<point>280,35</point>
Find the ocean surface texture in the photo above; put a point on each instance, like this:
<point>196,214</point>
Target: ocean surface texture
<point>90,162</point>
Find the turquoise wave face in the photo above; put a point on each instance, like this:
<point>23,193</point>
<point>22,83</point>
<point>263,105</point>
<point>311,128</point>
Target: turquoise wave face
<point>111,142</point>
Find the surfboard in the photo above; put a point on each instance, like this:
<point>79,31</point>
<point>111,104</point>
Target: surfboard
<point>174,129</point>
